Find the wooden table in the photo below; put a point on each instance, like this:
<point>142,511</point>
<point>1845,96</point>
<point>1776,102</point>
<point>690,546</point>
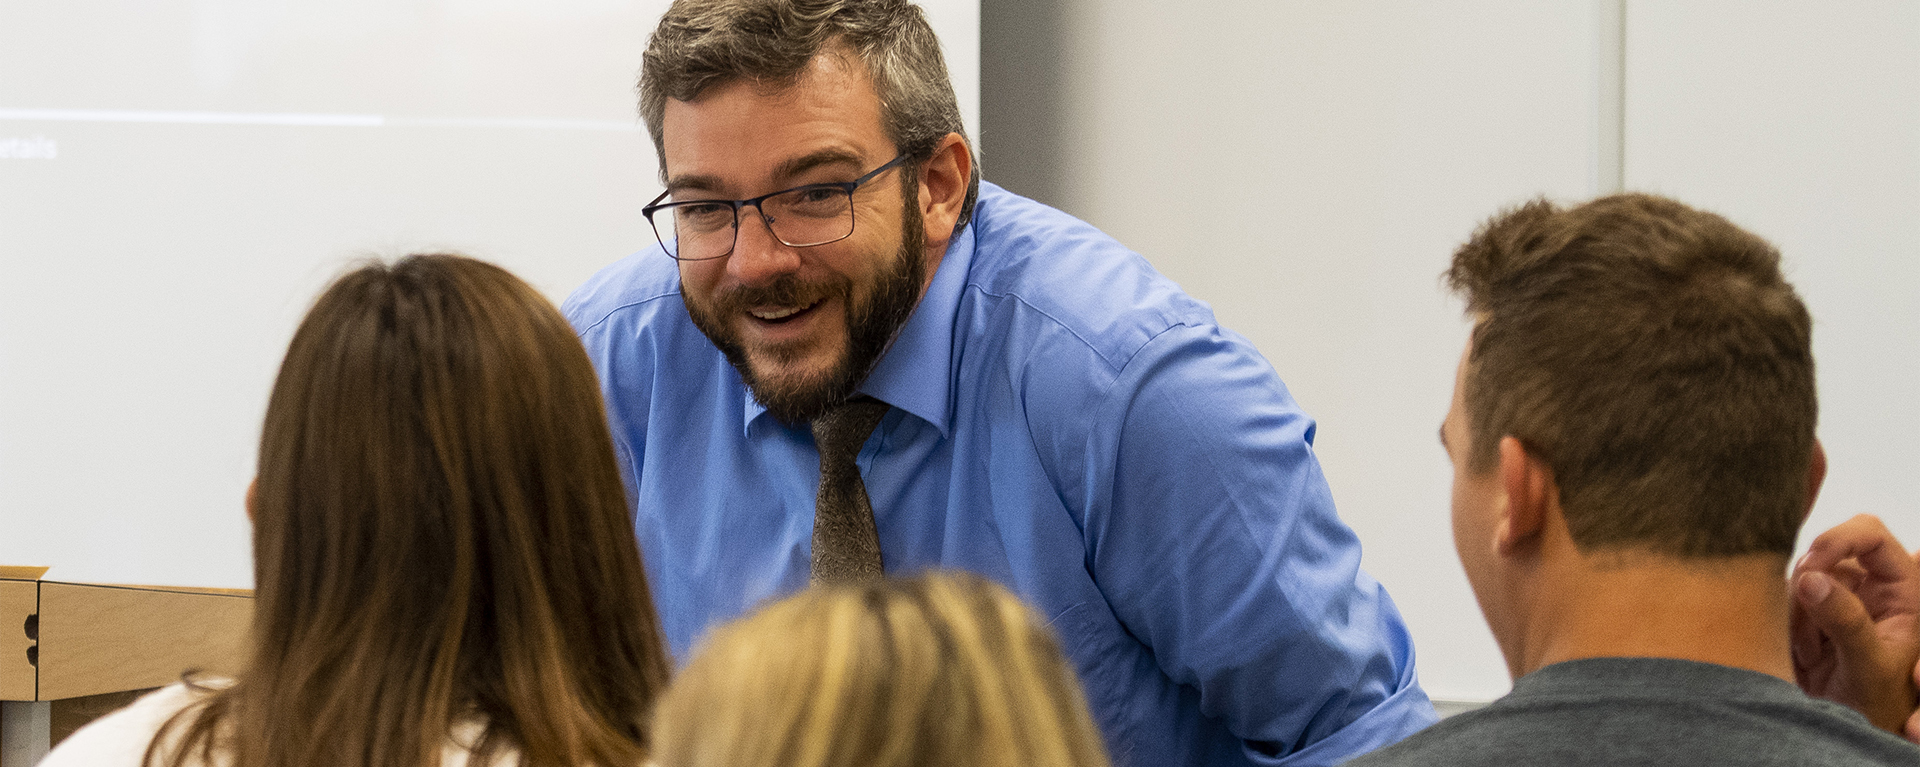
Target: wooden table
<point>70,652</point>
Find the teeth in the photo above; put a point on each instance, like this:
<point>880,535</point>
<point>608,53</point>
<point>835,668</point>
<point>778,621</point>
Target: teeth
<point>776,314</point>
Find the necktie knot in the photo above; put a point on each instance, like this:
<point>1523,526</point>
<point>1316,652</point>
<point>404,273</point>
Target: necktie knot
<point>839,432</point>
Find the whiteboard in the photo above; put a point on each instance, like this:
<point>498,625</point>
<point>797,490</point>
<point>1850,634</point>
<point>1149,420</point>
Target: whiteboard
<point>179,178</point>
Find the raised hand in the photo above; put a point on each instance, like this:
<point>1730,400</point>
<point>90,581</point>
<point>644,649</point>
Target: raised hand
<point>1856,623</point>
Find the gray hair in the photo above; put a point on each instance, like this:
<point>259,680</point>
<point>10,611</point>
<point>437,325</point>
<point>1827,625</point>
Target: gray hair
<point>703,43</point>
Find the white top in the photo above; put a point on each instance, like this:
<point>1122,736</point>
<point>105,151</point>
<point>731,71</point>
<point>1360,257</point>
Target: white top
<point>120,739</point>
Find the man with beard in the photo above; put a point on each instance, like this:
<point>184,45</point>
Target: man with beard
<point>849,356</point>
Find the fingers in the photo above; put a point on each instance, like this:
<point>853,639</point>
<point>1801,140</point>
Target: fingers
<point>1814,661</point>
<point>1865,539</point>
<point>1804,639</point>
<point>1912,731</point>
<point>1850,661</point>
<point>1850,574</point>
<point>1862,556</point>
<point>1835,612</point>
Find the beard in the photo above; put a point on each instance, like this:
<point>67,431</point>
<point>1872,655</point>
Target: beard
<point>873,318</point>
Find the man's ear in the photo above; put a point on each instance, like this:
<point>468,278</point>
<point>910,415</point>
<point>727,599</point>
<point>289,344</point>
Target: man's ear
<point>1530,491</point>
<point>1816,474</point>
<point>943,188</point>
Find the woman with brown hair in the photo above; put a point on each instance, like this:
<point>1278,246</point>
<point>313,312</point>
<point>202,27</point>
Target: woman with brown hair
<point>446,572</point>
<point>948,670</point>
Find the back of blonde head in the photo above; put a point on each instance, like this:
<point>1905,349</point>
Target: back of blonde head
<point>934,670</point>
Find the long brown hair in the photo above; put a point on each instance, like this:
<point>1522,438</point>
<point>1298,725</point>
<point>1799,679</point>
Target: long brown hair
<point>947,670</point>
<point>440,534</point>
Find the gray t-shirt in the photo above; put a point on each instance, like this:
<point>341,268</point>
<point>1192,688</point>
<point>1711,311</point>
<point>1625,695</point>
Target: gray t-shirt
<point>1650,711</point>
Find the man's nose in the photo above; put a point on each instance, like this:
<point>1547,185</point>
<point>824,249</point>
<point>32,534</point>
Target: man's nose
<point>758,255</point>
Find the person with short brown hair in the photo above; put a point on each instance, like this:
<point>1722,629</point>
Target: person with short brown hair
<point>1658,357</point>
<point>937,670</point>
<point>1632,435</point>
<point>847,357</point>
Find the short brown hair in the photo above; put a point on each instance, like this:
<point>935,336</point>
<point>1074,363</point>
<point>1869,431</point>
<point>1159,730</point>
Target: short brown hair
<point>947,670</point>
<point>703,43</point>
<point>1653,355</point>
<point>440,534</point>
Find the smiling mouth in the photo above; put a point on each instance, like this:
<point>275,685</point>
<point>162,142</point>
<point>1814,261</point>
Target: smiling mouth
<point>782,314</point>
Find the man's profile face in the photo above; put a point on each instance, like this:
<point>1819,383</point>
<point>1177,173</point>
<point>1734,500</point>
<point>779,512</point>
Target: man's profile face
<point>803,325</point>
<point>1476,501</point>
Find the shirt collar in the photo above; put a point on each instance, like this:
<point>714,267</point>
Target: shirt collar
<point>914,373</point>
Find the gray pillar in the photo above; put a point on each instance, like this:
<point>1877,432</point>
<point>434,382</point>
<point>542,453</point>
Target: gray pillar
<point>24,730</point>
<point>1022,84</point>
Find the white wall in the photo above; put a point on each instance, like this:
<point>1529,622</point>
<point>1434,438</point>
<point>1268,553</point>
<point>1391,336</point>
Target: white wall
<point>1801,122</point>
<point>1309,167</point>
<point>214,163</point>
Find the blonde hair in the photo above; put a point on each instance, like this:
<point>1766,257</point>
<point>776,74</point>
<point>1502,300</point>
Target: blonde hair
<point>938,669</point>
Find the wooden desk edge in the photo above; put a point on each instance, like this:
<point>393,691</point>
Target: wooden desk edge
<point>208,590</point>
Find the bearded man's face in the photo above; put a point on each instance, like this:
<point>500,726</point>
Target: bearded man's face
<point>798,375</point>
<point>803,325</point>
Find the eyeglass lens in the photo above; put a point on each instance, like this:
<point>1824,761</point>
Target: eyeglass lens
<point>799,218</point>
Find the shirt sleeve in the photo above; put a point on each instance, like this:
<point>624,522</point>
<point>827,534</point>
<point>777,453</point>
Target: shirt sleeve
<point>120,739</point>
<point>1212,532</point>
<point>622,361</point>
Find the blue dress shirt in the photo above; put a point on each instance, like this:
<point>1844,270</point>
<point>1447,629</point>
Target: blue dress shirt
<point>1065,421</point>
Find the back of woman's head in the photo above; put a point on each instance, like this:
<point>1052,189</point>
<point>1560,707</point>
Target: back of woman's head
<point>440,531</point>
<point>933,670</point>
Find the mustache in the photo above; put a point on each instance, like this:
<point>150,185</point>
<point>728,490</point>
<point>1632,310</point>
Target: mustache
<point>785,290</point>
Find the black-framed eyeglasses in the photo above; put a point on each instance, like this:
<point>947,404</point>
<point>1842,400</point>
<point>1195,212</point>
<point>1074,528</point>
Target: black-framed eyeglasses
<point>801,217</point>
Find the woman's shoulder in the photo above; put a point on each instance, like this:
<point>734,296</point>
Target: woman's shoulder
<point>120,739</point>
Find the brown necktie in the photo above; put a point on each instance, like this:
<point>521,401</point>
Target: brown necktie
<point>846,547</point>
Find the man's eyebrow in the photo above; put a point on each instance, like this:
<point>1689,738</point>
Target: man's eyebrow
<point>679,185</point>
<point>812,160</point>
